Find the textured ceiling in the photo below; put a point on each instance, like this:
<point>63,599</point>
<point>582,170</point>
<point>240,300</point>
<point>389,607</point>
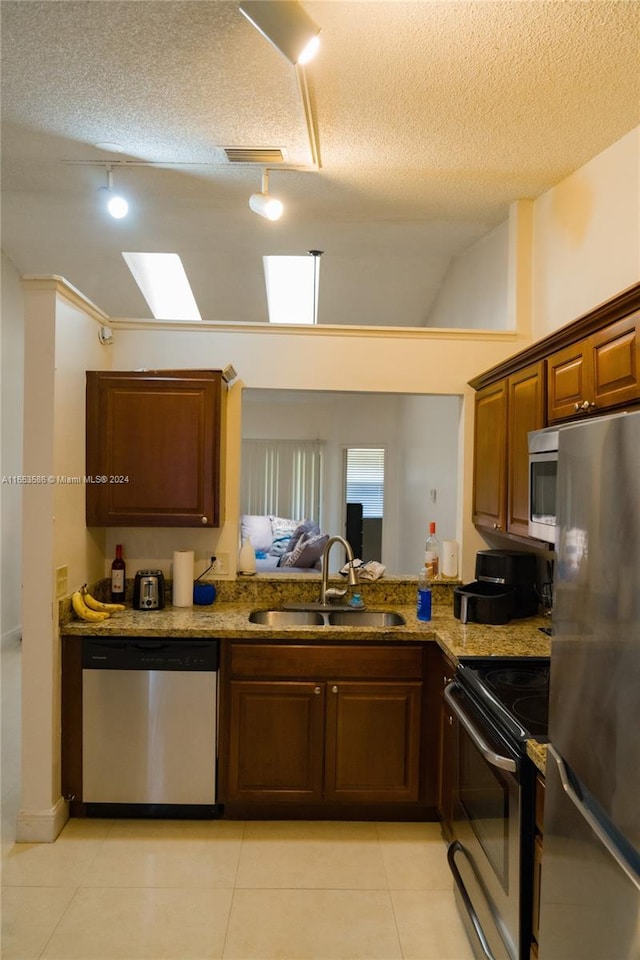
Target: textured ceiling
<point>432,117</point>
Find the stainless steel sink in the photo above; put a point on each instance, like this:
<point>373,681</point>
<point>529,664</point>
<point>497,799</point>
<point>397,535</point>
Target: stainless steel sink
<point>287,618</point>
<point>325,618</point>
<point>366,618</point>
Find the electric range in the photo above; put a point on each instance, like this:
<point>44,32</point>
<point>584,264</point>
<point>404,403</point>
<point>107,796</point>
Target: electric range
<point>495,705</point>
<point>513,690</point>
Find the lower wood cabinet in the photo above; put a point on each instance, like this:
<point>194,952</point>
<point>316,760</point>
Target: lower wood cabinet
<point>275,740</point>
<point>372,746</point>
<point>322,724</point>
<point>448,750</point>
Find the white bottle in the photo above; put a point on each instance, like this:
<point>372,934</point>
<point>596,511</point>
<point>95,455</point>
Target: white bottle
<point>247,557</point>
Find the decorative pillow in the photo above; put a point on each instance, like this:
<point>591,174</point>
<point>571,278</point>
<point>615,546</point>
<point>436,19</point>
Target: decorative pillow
<point>283,527</point>
<point>258,528</point>
<point>279,547</point>
<point>308,528</point>
<point>307,552</point>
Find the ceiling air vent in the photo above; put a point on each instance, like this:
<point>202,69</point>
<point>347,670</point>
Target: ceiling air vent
<point>261,155</point>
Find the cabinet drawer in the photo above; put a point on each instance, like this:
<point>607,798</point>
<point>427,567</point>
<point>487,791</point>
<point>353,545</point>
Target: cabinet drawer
<point>315,662</point>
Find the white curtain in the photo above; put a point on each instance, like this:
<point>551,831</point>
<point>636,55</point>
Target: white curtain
<point>282,477</point>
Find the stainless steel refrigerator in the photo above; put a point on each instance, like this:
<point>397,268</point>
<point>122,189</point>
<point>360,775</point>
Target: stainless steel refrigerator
<point>590,879</point>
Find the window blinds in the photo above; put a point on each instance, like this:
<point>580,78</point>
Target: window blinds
<point>365,479</point>
<point>282,478</point>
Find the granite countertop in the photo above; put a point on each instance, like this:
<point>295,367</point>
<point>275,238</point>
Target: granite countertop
<point>230,620</point>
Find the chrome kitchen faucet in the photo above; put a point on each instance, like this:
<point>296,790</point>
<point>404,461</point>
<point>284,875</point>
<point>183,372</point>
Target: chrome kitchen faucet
<point>328,593</point>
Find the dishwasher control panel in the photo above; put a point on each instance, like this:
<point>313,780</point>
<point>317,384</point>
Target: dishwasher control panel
<point>150,653</point>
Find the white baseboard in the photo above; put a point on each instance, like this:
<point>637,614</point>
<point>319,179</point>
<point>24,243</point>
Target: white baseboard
<point>42,826</point>
<point>9,637</point>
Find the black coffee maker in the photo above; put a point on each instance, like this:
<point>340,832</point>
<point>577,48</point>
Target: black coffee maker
<point>504,588</point>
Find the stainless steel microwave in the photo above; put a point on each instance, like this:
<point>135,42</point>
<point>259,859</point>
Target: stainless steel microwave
<point>543,475</point>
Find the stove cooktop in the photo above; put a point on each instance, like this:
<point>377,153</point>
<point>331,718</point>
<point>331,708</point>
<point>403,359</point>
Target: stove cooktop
<point>514,690</point>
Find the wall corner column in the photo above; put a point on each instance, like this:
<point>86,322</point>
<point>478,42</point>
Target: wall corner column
<point>520,268</point>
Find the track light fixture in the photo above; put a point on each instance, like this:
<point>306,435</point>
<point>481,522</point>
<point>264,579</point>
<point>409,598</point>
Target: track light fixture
<point>263,204</point>
<point>116,204</point>
<point>286,25</point>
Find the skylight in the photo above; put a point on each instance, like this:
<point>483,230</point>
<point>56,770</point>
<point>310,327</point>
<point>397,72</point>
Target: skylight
<point>164,285</point>
<point>292,288</point>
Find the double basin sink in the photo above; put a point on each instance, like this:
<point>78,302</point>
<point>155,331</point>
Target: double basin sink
<point>327,618</point>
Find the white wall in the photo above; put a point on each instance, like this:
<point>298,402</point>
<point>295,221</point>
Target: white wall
<point>429,488</point>
<point>61,342</point>
<point>475,289</point>
<point>412,362</point>
<point>12,372</point>
<point>340,420</point>
<point>420,437</point>
<point>586,244</point>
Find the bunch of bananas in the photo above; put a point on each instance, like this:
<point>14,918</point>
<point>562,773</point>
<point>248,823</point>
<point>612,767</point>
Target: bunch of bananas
<point>87,607</point>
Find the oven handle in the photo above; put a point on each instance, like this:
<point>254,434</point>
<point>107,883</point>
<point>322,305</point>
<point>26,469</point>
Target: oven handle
<point>495,759</point>
<point>452,849</point>
<point>602,835</point>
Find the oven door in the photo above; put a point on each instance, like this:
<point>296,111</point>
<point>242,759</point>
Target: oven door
<point>485,856</point>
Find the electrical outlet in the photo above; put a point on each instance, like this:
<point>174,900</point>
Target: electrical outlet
<point>221,566</point>
<point>62,581</point>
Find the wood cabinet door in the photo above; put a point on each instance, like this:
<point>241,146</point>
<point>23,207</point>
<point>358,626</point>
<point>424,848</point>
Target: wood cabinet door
<point>569,381</point>
<point>490,457</point>
<point>447,772</point>
<point>615,356</point>
<point>275,742</point>
<point>526,402</point>
<point>373,741</point>
<point>153,439</point>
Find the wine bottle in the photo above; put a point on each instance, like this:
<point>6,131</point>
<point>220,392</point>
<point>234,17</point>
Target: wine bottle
<point>118,570</point>
<point>432,553</point>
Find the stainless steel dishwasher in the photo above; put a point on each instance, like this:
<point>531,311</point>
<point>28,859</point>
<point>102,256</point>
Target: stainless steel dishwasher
<point>149,726</point>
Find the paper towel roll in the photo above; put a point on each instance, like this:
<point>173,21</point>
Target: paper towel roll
<point>183,578</point>
<point>449,558</point>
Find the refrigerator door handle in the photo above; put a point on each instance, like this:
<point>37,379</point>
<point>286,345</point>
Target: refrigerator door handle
<point>607,841</point>
<point>493,758</point>
<point>452,849</point>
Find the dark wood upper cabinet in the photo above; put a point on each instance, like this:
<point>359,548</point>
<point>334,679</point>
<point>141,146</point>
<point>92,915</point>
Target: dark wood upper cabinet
<point>588,367</point>
<point>490,457</point>
<point>525,412</point>
<point>153,448</point>
<point>596,374</point>
<point>505,413</point>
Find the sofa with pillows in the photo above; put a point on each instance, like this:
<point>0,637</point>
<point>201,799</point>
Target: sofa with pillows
<point>283,545</point>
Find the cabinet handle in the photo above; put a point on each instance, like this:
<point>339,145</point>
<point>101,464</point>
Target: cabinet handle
<point>334,689</point>
<point>497,526</point>
<point>203,520</point>
<point>317,690</point>
<point>585,406</point>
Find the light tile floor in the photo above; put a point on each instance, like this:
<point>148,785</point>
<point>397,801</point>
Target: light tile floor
<point>198,890</point>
